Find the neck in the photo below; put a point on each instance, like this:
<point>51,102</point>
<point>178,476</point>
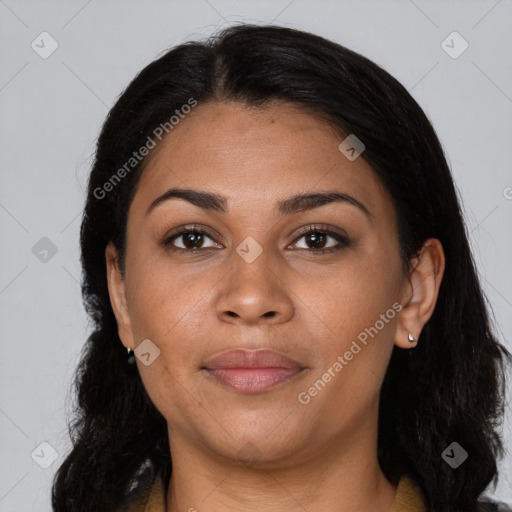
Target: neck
<point>343,475</point>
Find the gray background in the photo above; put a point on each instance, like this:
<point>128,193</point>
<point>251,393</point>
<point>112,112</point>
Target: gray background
<point>51,113</point>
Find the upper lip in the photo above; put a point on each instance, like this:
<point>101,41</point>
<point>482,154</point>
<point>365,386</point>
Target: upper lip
<point>245,358</point>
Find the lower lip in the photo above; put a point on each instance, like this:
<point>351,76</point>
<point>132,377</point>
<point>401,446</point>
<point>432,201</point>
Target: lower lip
<point>253,380</point>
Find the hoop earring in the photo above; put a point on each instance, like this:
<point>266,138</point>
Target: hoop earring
<point>130,356</point>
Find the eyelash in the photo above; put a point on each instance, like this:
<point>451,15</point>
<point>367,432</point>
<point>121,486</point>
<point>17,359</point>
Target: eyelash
<point>342,239</point>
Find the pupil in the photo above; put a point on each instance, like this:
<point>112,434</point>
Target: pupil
<point>193,238</point>
<point>317,238</point>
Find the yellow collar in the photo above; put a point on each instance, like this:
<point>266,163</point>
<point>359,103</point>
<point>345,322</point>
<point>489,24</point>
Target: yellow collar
<point>409,497</point>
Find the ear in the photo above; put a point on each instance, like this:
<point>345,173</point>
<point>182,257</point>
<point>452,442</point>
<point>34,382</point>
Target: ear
<point>117,293</point>
<point>420,293</point>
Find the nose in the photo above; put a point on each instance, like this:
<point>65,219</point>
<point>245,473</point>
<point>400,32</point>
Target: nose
<point>254,293</point>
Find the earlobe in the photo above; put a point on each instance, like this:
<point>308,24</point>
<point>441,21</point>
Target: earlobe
<point>117,294</point>
<point>420,293</point>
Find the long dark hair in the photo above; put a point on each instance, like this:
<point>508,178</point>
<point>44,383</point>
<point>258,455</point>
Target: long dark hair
<point>452,389</point>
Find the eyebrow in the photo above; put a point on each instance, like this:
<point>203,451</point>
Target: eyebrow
<point>298,203</point>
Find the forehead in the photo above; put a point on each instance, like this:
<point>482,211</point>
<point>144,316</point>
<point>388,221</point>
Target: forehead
<point>255,156</point>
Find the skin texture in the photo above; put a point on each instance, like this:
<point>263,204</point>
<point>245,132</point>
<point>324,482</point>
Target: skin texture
<point>268,451</point>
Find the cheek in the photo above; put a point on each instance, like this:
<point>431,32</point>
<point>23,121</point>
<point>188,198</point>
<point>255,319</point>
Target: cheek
<point>356,310</point>
<point>351,297</point>
<point>163,298</point>
<point>168,308</point>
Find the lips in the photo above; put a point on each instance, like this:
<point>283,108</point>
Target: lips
<point>244,358</point>
<point>252,371</point>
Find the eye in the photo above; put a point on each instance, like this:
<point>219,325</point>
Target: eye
<point>318,236</point>
<point>191,240</point>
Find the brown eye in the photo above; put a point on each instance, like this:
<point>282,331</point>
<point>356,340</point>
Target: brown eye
<point>318,239</point>
<point>192,240</point>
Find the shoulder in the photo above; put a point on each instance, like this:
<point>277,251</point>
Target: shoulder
<point>147,496</point>
<point>485,504</point>
<point>410,498</point>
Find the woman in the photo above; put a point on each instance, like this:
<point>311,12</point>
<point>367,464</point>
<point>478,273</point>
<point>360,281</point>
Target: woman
<point>273,234</point>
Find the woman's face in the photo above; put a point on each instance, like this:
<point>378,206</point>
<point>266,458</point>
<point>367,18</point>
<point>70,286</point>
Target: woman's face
<point>258,280</point>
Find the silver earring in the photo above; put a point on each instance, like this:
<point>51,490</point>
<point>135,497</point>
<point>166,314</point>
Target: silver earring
<point>130,357</point>
<point>411,338</point>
